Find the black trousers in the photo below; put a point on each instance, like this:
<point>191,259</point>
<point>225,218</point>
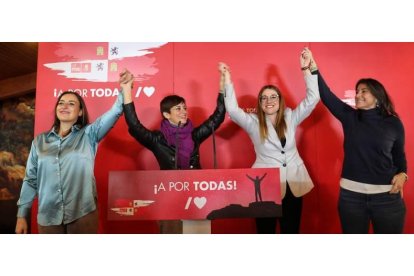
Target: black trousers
<point>289,222</point>
<point>385,211</point>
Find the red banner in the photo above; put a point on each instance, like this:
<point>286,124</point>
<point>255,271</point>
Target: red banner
<point>193,194</point>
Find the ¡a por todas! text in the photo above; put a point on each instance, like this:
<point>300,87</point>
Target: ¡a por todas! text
<point>104,92</point>
<point>197,186</point>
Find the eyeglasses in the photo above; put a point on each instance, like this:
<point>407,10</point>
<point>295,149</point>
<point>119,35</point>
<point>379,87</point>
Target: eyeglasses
<point>271,98</point>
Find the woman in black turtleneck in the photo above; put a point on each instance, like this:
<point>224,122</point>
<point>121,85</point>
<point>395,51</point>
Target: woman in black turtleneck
<point>374,169</point>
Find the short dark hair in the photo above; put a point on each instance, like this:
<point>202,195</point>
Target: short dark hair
<point>168,102</point>
<point>82,120</point>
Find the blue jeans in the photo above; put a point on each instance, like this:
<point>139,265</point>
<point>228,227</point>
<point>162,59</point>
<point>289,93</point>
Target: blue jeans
<point>385,211</point>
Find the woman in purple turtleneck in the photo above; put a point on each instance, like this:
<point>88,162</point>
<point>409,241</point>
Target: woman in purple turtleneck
<point>176,145</point>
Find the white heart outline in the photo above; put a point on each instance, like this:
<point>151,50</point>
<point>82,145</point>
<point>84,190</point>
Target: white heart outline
<point>149,90</point>
<point>200,202</point>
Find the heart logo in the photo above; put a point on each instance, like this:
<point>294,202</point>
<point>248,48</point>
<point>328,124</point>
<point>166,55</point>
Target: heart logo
<point>149,90</point>
<point>200,202</point>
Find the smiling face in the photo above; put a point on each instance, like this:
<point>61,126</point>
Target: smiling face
<point>68,109</point>
<point>178,113</point>
<point>269,101</point>
<point>364,99</point>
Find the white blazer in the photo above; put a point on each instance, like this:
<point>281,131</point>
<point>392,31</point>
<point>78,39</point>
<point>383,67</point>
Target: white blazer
<point>270,153</point>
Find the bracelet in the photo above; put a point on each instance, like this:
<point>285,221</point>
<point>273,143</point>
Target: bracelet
<point>313,69</point>
<point>305,68</point>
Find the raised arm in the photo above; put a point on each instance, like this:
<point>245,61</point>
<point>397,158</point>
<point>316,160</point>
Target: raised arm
<point>308,104</point>
<point>102,125</point>
<point>230,100</point>
<point>306,61</point>
<point>137,130</point>
<point>98,129</point>
<point>249,177</point>
<point>214,120</point>
<point>263,177</point>
<point>335,105</point>
<point>126,81</point>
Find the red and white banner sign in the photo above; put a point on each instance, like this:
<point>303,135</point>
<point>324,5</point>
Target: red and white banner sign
<point>193,194</point>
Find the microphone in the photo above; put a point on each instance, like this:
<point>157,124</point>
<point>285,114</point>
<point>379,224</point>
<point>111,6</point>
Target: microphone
<point>176,145</point>
<point>214,145</point>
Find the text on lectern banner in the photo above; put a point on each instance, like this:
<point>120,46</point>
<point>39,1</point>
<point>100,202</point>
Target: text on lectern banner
<point>193,194</point>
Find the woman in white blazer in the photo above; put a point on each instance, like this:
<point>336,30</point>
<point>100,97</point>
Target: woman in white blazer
<point>272,131</point>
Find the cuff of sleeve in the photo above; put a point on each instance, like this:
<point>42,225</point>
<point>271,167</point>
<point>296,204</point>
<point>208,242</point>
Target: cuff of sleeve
<point>129,106</point>
<point>23,212</point>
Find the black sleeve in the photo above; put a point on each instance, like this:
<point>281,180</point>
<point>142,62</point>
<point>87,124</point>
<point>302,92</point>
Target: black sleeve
<point>144,136</point>
<point>335,105</point>
<point>214,121</point>
<point>398,152</point>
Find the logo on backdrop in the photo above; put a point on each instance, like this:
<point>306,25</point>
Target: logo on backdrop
<point>131,206</point>
<point>102,62</point>
<point>98,65</point>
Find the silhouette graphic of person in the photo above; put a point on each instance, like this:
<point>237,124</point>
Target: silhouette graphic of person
<point>257,181</point>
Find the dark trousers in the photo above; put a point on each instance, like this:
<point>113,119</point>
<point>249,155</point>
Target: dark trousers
<point>87,224</point>
<point>385,211</point>
<point>289,222</point>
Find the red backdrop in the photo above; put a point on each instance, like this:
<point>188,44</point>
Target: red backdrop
<point>190,70</point>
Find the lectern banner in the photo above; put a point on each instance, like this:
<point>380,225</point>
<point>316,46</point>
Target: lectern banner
<point>193,194</point>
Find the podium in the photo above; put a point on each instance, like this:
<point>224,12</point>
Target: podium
<point>196,227</point>
<point>194,196</point>
<point>185,226</point>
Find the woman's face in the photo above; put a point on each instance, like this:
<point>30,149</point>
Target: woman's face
<point>269,101</point>
<point>178,113</point>
<point>364,99</point>
<point>68,109</point>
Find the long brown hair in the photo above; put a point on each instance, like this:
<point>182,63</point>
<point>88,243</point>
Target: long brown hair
<point>280,119</point>
<point>82,120</point>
